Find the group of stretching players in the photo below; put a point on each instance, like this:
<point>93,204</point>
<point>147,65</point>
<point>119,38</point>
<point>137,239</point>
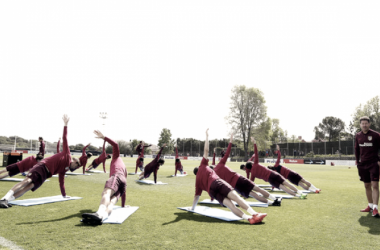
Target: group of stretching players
<point>219,180</point>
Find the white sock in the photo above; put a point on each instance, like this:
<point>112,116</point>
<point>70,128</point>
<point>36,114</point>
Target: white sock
<point>11,198</point>
<point>312,186</point>
<point>246,217</point>
<point>8,195</point>
<point>375,206</point>
<point>272,197</point>
<point>270,202</point>
<point>251,211</point>
<point>298,195</point>
<point>370,205</point>
<point>299,192</point>
<point>101,210</point>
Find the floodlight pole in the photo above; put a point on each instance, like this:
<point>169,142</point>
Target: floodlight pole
<point>103,115</point>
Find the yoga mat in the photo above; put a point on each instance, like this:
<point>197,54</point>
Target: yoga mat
<point>43,200</point>
<point>149,182</point>
<point>120,214</point>
<point>213,213</point>
<point>138,173</point>
<point>179,175</point>
<point>251,204</point>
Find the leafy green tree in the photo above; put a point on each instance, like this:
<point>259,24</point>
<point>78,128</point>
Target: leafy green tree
<point>277,135</point>
<point>370,109</point>
<point>247,112</point>
<point>166,137</point>
<point>330,127</point>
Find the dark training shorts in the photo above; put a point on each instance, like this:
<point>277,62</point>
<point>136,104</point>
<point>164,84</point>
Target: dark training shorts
<point>275,180</point>
<point>13,169</point>
<point>38,174</point>
<point>294,178</point>
<point>219,190</point>
<point>117,183</point>
<point>244,186</point>
<point>94,164</point>
<point>369,172</point>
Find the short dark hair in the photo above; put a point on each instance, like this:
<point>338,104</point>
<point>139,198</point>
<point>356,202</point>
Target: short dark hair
<point>89,154</point>
<point>242,167</point>
<point>161,161</point>
<point>141,159</point>
<point>195,170</point>
<point>39,157</point>
<point>40,138</point>
<point>212,167</point>
<point>248,165</point>
<point>140,141</point>
<point>364,118</point>
<point>108,156</point>
<point>271,167</point>
<point>177,160</point>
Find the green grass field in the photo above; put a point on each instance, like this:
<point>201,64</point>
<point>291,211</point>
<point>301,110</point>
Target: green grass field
<point>329,220</point>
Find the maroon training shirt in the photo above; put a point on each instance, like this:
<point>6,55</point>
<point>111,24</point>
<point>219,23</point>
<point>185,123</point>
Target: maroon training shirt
<point>42,148</point>
<point>259,170</point>
<point>83,159</point>
<point>367,147</point>
<point>26,164</point>
<point>225,172</point>
<point>59,163</point>
<point>153,166</point>
<point>205,177</point>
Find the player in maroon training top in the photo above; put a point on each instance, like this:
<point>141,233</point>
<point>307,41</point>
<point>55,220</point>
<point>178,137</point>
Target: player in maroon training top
<point>19,167</point>
<point>115,186</point>
<point>178,164</point>
<point>58,145</point>
<point>85,156</point>
<point>101,159</point>
<point>42,146</point>
<point>242,185</point>
<point>275,179</point>
<point>292,176</point>
<point>367,145</point>
<point>153,166</point>
<point>56,164</point>
<point>207,180</point>
<point>140,147</point>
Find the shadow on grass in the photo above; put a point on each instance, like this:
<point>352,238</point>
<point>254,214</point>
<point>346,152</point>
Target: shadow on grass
<point>200,218</point>
<point>77,215</point>
<point>370,222</point>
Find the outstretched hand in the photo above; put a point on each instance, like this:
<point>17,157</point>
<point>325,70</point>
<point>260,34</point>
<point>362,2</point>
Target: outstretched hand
<point>88,144</point>
<point>164,145</point>
<point>65,119</point>
<point>253,140</point>
<point>207,132</point>
<point>214,150</point>
<point>99,134</point>
<point>231,137</point>
<point>278,147</point>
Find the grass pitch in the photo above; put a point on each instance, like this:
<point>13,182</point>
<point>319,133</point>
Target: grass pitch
<point>330,220</point>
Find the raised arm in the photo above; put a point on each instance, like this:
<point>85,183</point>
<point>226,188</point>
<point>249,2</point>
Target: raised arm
<point>159,153</point>
<point>176,152</point>
<point>213,158</point>
<point>84,149</point>
<point>278,156</point>
<point>58,144</point>
<point>256,153</point>
<point>104,165</point>
<point>227,154</point>
<point>206,149</point>
<point>64,137</point>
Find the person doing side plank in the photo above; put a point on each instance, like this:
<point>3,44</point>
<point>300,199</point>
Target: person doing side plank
<point>153,166</point>
<point>242,185</point>
<point>101,159</point>
<point>275,179</point>
<point>56,164</point>
<point>292,176</point>
<point>209,181</point>
<point>20,167</point>
<point>115,186</point>
<point>178,164</point>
